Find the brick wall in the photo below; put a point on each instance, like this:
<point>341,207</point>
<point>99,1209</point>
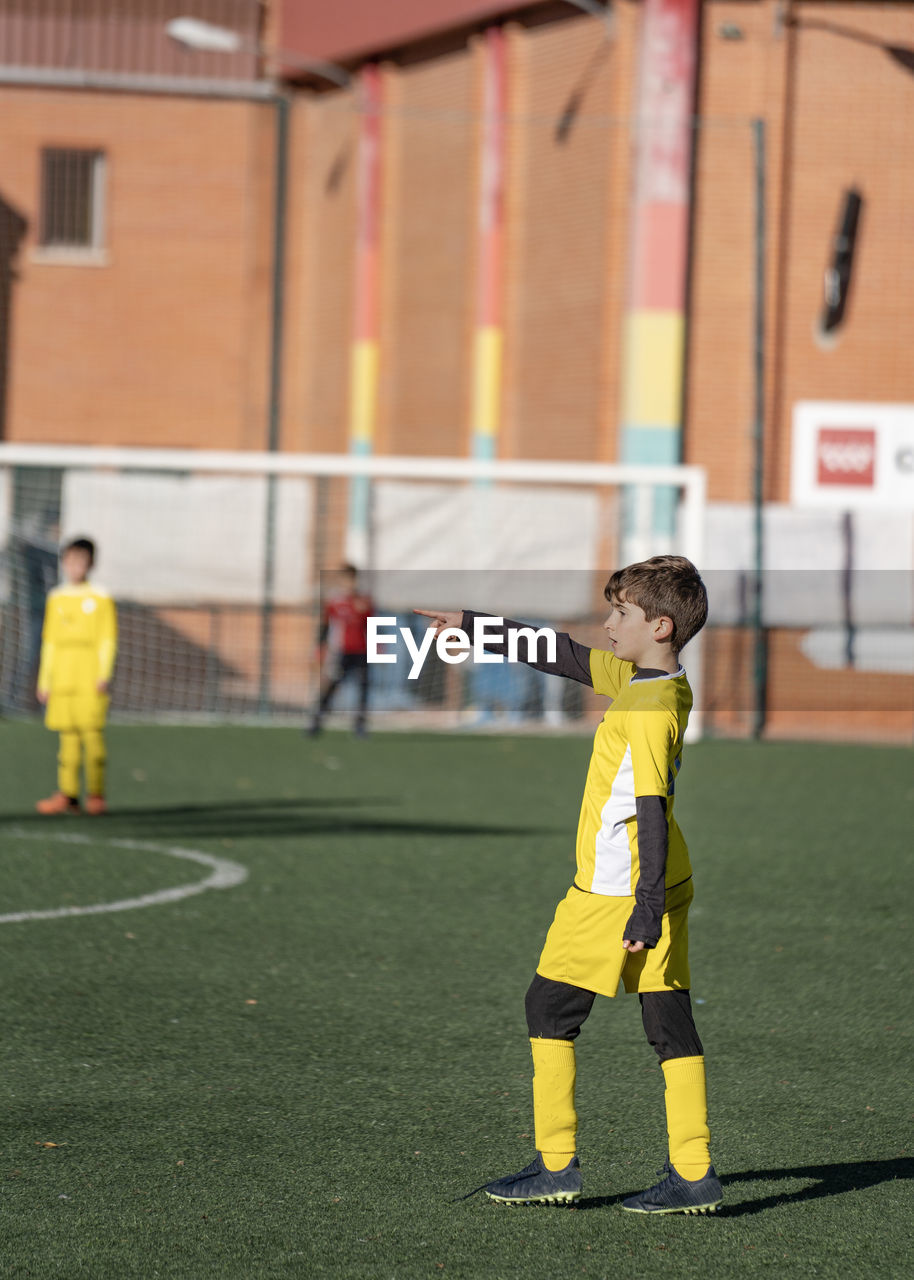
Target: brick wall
<point>566,161</point>
<point>719,384</point>
<point>839,112</point>
<point>427,276</point>
<point>167,343</point>
<point>161,340</point>
<point>852,123</point>
<point>320,293</point>
<point>565,233</point>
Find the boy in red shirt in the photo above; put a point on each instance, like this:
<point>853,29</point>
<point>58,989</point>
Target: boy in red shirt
<point>343,648</point>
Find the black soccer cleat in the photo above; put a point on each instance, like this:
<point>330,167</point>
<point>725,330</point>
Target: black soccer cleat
<point>538,1185</point>
<point>675,1194</point>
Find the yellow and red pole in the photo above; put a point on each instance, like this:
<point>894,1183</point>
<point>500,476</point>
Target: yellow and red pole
<point>365,345</point>
<point>654,350</point>
<point>489,333</point>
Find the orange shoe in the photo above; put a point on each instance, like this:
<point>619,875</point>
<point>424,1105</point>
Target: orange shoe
<point>58,803</point>
<point>96,806</point>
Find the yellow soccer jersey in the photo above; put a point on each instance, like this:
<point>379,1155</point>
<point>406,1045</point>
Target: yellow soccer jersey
<point>637,751</point>
<point>78,642</point>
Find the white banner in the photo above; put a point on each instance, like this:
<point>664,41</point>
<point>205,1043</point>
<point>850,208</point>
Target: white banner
<point>190,539</point>
<point>853,456</point>
<point>513,535</point>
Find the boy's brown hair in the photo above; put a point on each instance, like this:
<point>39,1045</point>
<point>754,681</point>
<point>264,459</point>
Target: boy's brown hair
<point>80,544</point>
<point>664,587</point>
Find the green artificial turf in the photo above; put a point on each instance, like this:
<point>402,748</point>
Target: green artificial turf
<point>297,1075</point>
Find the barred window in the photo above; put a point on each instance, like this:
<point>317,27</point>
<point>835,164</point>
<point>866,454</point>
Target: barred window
<point>72,198</point>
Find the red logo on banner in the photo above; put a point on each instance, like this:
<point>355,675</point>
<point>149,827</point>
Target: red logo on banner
<point>846,455</point>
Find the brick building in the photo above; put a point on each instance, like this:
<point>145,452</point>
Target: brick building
<point>135,178</point>
<point>155,331</point>
<point>426,310</point>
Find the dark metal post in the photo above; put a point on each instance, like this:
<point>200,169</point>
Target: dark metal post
<point>847,589</point>
<point>760,639</point>
<point>281,102</point>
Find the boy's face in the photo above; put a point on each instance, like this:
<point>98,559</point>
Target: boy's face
<point>632,638</point>
<point>75,564</point>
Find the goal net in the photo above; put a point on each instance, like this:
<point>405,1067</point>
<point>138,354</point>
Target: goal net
<point>218,563</point>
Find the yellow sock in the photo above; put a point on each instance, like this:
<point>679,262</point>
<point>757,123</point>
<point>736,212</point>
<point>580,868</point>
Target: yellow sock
<point>554,1116</point>
<point>687,1116</point>
<point>68,761</point>
<point>94,743</point>
<point>556,1160</point>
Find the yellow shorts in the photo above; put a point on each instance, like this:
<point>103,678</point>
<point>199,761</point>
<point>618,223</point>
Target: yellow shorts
<point>584,944</point>
<point>76,711</point>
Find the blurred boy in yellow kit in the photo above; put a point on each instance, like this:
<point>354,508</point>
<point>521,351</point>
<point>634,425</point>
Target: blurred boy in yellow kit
<point>78,648</point>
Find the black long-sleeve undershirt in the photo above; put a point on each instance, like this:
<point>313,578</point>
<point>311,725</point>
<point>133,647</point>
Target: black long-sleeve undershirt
<point>644,923</point>
<point>572,660</point>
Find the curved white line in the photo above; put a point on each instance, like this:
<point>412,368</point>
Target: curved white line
<point>224,875</point>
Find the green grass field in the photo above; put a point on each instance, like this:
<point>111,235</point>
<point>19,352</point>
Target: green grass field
<point>295,1076</point>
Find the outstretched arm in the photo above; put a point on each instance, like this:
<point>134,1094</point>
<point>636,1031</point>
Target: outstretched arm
<point>442,619</point>
<point>571,659</point>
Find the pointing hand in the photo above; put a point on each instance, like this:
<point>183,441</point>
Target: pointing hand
<point>442,620</point>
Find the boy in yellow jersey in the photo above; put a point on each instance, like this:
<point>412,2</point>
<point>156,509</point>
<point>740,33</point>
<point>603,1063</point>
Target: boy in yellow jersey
<point>78,647</point>
<point>625,916</point>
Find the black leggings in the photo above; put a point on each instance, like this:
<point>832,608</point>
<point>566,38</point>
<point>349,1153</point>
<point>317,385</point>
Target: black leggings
<point>350,664</point>
<point>557,1011</point>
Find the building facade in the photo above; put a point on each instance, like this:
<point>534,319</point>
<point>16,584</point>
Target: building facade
<point>154,327</point>
<point>466,269</point>
<point>135,179</point>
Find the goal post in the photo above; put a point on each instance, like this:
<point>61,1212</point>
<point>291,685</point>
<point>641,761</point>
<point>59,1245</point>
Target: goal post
<point>216,560</point>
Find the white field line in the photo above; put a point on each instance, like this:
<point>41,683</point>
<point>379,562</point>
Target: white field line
<point>224,874</point>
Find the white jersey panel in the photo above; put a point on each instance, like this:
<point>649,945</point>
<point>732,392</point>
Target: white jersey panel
<point>613,855</point>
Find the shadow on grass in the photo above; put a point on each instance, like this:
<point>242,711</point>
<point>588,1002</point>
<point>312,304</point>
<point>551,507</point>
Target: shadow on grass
<point>827,1179</point>
<point>240,819</point>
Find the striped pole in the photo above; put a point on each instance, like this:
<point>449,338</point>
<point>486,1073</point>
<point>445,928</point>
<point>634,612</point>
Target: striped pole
<point>654,336</point>
<point>489,335</point>
<point>364,350</point>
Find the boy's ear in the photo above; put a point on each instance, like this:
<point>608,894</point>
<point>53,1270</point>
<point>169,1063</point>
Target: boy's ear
<point>663,628</point>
